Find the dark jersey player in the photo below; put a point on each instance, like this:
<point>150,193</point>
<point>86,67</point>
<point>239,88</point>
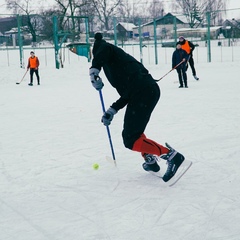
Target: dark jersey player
<point>139,93</point>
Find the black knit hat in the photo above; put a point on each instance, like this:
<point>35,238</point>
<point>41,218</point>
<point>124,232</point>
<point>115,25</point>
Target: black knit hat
<point>98,36</point>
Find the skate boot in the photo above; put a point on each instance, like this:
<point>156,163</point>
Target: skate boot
<point>150,163</point>
<point>174,160</point>
<point>196,78</point>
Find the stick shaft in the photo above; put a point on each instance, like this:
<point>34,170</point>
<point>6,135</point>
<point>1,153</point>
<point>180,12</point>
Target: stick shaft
<point>170,71</point>
<point>23,76</point>
<point>107,127</point>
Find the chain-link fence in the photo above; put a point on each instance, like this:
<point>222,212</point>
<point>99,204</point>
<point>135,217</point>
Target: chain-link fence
<point>215,40</point>
<point>149,40</point>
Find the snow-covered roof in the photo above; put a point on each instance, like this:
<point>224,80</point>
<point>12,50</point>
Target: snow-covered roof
<point>13,30</point>
<point>233,22</point>
<point>198,29</point>
<point>127,26</point>
<point>181,18</point>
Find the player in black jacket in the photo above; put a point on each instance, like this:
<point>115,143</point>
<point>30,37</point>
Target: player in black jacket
<point>140,93</point>
<point>189,48</point>
<point>178,56</point>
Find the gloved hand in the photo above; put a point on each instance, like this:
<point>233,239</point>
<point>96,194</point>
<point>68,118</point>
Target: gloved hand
<point>108,116</point>
<point>95,79</point>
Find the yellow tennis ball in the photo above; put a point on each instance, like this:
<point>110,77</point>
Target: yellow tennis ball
<point>95,166</point>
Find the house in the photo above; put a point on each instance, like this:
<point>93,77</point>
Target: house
<point>231,28</point>
<point>164,26</point>
<point>9,29</point>
<point>125,30</point>
<point>7,23</point>
<point>13,34</point>
<point>199,33</point>
<point>3,39</point>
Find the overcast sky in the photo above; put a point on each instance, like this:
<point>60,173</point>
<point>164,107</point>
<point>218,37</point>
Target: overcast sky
<point>231,5</point>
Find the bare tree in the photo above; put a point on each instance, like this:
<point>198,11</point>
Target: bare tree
<point>23,7</point>
<point>125,9</point>
<point>195,10</point>
<point>216,9</point>
<point>64,7</point>
<point>46,29</point>
<point>71,10</point>
<point>106,9</point>
<point>156,9</point>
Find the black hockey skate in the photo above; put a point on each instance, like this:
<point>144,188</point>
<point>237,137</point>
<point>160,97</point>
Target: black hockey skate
<point>150,164</point>
<point>196,77</point>
<point>174,161</point>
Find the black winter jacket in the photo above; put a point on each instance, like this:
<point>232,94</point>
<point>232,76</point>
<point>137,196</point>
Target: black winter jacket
<point>178,56</point>
<point>122,70</point>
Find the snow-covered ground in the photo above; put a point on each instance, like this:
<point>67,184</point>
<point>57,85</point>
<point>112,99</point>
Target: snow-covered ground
<point>51,135</point>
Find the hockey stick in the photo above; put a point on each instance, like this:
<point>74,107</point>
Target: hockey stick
<point>186,65</point>
<point>22,77</point>
<point>187,62</point>
<point>188,59</point>
<point>107,127</point>
<point>170,71</point>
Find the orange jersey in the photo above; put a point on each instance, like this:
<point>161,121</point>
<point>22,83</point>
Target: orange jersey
<point>186,47</point>
<point>33,62</point>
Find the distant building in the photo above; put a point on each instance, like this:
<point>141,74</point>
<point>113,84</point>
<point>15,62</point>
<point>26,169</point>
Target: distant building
<point>125,30</point>
<point>3,40</point>
<point>199,33</point>
<point>7,23</point>
<point>164,26</point>
<point>231,28</point>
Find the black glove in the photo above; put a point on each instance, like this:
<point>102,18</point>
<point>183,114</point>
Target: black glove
<point>95,79</point>
<point>108,116</point>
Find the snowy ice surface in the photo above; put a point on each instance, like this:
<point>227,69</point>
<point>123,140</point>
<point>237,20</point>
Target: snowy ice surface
<point>51,135</point>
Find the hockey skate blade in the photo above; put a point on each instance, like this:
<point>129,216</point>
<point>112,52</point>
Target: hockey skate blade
<point>109,159</point>
<point>180,172</point>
